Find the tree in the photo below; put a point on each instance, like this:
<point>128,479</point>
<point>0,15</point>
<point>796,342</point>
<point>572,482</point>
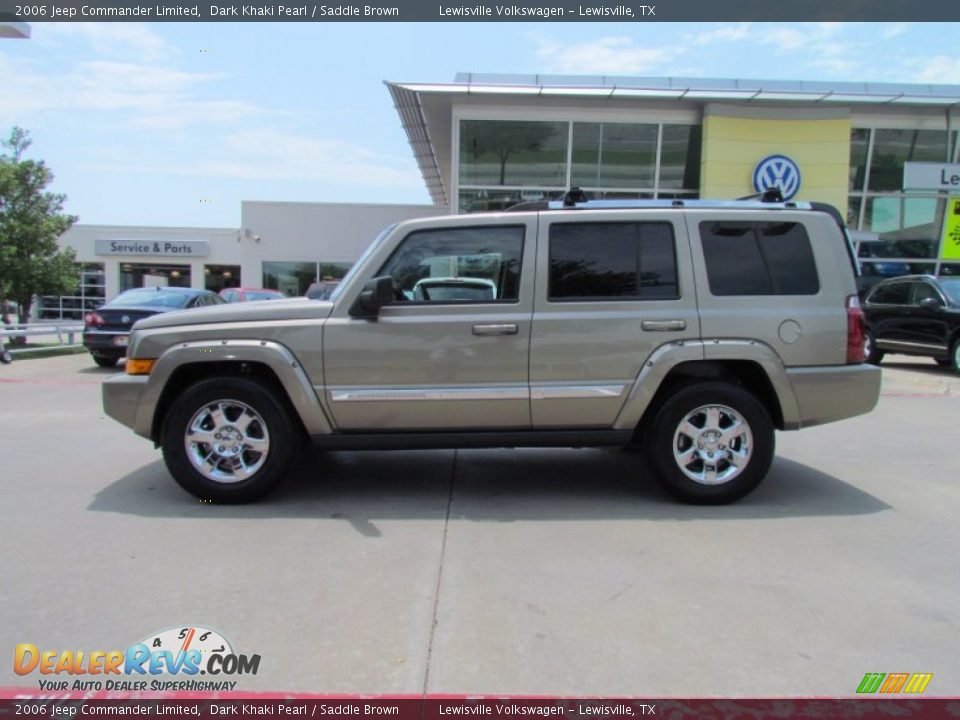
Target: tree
<point>31,220</point>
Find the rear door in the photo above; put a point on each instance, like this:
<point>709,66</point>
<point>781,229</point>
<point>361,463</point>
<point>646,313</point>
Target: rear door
<point>611,288</point>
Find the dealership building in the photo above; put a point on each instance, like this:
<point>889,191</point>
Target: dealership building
<point>885,154</point>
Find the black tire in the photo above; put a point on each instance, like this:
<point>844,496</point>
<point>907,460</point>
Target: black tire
<point>874,354</point>
<point>664,442</point>
<point>6,358</point>
<point>105,361</point>
<point>955,355</point>
<point>241,401</point>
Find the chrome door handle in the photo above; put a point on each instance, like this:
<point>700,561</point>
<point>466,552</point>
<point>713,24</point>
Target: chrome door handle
<point>664,325</point>
<point>504,329</point>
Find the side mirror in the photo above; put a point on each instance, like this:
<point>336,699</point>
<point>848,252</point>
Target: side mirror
<point>930,303</point>
<point>375,294</point>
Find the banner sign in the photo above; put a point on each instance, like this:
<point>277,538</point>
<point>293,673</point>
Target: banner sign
<point>931,176</point>
<point>153,248</point>
<point>950,242</point>
<point>39,11</point>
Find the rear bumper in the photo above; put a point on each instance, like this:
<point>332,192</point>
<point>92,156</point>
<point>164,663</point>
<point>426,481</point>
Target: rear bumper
<point>102,343</point>
<point>826,394</point>
<point>121,400</point>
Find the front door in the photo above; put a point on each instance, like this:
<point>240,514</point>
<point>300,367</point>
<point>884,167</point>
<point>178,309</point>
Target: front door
<point>451,351</point>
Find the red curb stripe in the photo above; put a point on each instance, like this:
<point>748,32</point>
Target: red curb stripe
<point>31,381</point>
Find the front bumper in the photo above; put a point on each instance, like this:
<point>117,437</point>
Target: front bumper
<point>827,394</point>
<point>121,400</point>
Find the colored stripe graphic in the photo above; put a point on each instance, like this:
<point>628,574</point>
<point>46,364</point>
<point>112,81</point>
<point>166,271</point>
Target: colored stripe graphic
<point>871,682</point>
<point>918,682</point>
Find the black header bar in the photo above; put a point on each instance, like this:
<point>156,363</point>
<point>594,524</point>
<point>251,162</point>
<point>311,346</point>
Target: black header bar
<point>37,11</point>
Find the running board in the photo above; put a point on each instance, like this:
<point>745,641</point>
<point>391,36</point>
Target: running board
<point>471,439</point>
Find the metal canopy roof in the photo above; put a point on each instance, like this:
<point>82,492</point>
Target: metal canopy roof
<point>409,100</point>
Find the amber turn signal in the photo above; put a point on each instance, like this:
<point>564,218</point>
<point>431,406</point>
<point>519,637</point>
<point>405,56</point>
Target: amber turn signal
<point>140,366</point>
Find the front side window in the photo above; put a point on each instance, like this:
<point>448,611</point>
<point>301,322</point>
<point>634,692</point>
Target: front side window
<point>457,265</point>
<point>612,261</point>
<point>759,258</point>
<point>924,291</point>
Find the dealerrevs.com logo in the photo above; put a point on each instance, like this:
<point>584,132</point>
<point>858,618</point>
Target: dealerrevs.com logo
<point>168,660</point>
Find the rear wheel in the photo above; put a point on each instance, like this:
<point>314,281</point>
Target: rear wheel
<point>711,443</point>
<point>955,356</point>
<point>228,440</point>
<point>105,361</point>
<point>873,353</point>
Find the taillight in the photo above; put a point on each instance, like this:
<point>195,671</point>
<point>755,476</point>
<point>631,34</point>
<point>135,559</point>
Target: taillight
<point>856,331</point>
<point>93,319</point>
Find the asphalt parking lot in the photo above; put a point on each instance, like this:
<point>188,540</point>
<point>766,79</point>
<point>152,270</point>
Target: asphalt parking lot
<point>495,571</point>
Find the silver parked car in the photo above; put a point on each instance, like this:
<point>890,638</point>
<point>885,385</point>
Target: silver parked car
<point>691,329</point>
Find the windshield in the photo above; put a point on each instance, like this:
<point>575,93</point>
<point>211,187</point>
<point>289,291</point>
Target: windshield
<point>152,298</point>
<point>359,263</point>
<point>952,289</point>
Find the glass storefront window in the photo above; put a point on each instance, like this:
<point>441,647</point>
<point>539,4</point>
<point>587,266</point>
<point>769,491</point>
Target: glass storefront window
<point>877,270</point>
<point>613,155</point>
<point>88,296</point>
<point>513,152</point>
<point>680,157</point>
<point>294,278</point>
<point>908,227</point>
<point>472,201</point>
<point>892,148</point>
<point>220,277</point>
<point>859,144</point>
<point>136,275</point>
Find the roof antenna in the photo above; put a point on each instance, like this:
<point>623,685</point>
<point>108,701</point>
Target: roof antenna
<point>573,196</point>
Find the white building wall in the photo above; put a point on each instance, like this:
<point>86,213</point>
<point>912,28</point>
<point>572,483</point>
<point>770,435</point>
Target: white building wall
<point>221,242</point>
<point>314,232</point>
<point>270,231</point>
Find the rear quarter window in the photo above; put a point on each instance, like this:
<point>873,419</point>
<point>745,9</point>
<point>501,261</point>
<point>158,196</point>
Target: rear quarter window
<point>758,258</point>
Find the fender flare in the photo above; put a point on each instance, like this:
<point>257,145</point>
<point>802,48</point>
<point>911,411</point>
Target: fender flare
<point>666,357</point>
<point>275,356</point>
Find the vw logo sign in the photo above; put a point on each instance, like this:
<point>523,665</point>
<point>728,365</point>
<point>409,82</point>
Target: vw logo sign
<point>777,171</point>
<point>125,319</point>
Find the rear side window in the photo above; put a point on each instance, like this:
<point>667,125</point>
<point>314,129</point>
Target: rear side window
<point>759,258</point>
<point>612,261</point>
<point>892,294</point>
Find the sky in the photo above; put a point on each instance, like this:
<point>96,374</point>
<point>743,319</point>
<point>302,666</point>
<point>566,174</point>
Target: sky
<point>175,123</point>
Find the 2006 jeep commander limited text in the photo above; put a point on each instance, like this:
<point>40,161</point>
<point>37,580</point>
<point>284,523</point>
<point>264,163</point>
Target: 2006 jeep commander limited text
<point>690,329</point>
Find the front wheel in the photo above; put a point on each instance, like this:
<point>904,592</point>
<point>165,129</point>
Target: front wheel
<point>955,356</point>
<point>228,440</point>
<point>711,443</point>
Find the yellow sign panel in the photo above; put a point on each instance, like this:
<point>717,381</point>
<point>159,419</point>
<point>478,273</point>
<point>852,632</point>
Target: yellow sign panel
<point>950,242</point>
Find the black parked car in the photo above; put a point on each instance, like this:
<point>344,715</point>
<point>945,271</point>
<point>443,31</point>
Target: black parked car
<point>107,329</point>
<point>914,315</point>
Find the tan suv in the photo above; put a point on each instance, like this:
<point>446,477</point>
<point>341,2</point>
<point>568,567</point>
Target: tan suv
<point>689,329</point>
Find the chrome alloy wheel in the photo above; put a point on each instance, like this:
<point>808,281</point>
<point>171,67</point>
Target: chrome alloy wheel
<point>227,441</point>
<point>712,444</point>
